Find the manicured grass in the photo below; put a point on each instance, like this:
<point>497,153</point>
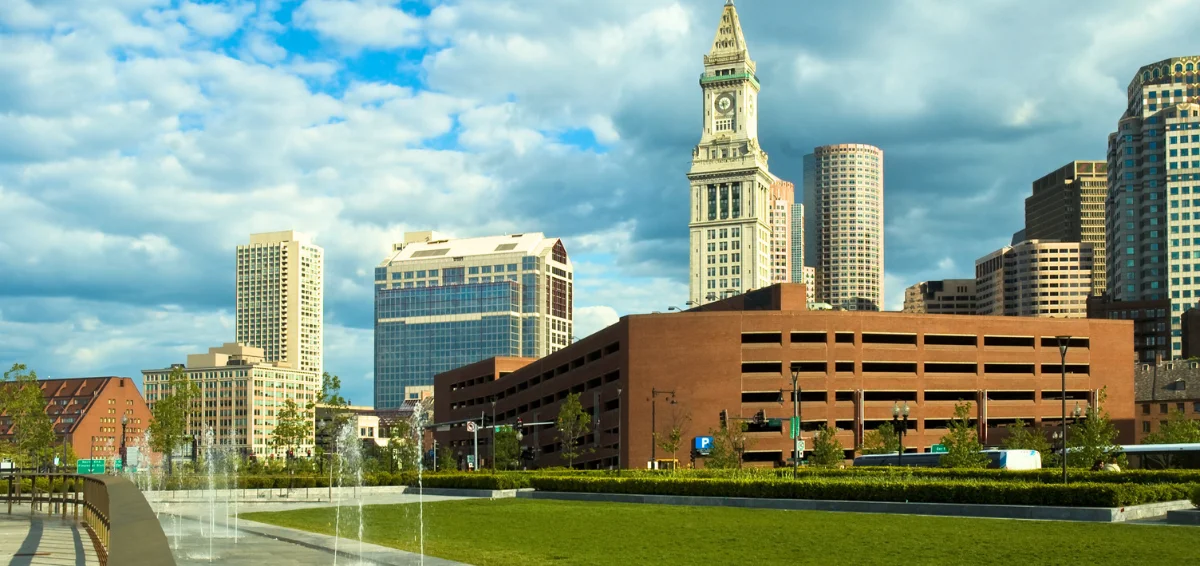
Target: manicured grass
<point>523,532</point>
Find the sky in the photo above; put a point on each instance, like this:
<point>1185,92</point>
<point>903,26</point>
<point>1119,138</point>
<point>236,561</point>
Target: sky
<point>142,140</point>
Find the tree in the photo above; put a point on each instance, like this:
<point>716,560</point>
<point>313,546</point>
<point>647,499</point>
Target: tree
<point>963,449</point>
<point>1094,438</point>
<point>573,424</point>
<point>827,450</point>
<point>882,440</point>
<point>1178,429</point>
<point>172,412</point>
<point>447,461</point>
<point>671,441</point>
<point>1024,437</point>
<point>33,430</point>
<point>729,443</point>
<point>292,426</point>
<point>508,450</point>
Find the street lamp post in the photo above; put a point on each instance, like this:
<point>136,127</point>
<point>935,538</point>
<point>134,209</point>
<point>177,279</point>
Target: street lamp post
<point>124,421</point>
<point>900,426</point>
<point>493,434</point>
<point>1064,342</point>
<point>654,393</point>
<point>796,391</point>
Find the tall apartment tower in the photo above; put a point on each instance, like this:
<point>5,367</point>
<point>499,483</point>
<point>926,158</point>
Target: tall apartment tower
<point>444,303</point>
<point>797,263</point>
<point>731,187</point>
<point>783,200</point>
<point>1041,278</point>
<point>1153,189</point>
<point>843,195</point>
<point>1068,206</point>
<point>280,299</point>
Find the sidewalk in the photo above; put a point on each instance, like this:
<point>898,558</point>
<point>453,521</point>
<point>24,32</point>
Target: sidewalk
<point>42,539</point>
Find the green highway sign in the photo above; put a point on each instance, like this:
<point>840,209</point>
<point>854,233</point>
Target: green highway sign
<point>93,466</point>
<point>795,422</point>
<point>938,449</point>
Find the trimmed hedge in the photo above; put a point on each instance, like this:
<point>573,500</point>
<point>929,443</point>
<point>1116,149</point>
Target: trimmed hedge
<point>879,489</point>
<point>1196,496</point>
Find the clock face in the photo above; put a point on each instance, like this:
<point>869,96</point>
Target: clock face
<point>724,102</point>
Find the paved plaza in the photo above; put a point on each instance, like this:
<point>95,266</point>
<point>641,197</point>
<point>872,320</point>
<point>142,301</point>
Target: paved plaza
<point>197,535</point>
<point>43,540</point>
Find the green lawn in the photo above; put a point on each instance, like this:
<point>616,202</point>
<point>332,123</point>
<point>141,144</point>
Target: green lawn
<point>523,532</point>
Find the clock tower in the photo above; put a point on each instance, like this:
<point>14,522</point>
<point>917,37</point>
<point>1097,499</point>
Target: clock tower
<point>729,220</point>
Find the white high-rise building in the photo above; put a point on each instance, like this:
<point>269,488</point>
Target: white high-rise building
<point>731,188</point>
<point>844,189</point>
<point>783,196</point>
<point>280,299</point>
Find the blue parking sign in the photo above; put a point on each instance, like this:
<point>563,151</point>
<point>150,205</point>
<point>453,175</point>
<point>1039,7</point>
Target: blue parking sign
<point>703,443</point>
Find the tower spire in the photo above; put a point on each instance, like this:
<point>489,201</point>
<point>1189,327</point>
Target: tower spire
<point>729,45</point>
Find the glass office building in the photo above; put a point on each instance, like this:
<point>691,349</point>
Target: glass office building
<point>442,304</point>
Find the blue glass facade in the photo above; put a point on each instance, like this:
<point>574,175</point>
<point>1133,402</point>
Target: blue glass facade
<point>417,336</point>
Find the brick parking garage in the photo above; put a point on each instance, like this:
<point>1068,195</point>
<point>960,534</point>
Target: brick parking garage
<point>737,355</point>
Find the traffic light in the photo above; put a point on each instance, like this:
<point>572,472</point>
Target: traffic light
<point>519,425</point>
<point>487,420</point>
<point>760,418</point>
<point>724,417</point>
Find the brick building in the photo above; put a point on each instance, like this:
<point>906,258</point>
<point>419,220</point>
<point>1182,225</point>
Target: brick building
<point>1163,388</point>
<point>736,355</point>
<point>87,414</point>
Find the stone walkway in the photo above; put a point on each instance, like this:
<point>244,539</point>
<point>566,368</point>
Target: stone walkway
<point>40,539</point>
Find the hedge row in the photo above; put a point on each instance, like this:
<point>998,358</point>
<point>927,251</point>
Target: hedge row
<point>860,489</point>
<point>1035,476</point>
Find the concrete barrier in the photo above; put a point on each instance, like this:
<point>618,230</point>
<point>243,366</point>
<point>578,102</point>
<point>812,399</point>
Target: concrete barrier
<point>314,494</point>
<point>1184,517</point>
<point>1031,512</point>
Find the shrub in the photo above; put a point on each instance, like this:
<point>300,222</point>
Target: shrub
<point>1196,495</point>
<point>878,489</point>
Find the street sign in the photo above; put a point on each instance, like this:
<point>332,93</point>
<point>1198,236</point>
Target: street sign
<point>117,464</point>
<point>938,449</point>
<point>503,428</point>
<point>775,422</point>
<point>703,444</point>
<point>795,421</point>
<point>802,446</point>
<point>94,466</point>
<point>471,426</point>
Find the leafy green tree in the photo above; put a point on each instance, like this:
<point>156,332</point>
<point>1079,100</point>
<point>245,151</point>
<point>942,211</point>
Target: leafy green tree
<point>729,443</point>
<point>882,440</point>
<point>963,449</point>
<point>673,439</point>
<point>508,450</point>
<point>33,430</point>
<point>447,461</point>
<point>1094,438</point>
<point>293,426</point>
<point>172,412</point>
<point>573,424</point>
<point>1021,436</point>
<point>827,449</point>
<point>1178,429</point>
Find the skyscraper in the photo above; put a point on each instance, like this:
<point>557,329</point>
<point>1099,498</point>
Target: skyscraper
<point>444,303</point>
<point>783,195</point>
<point>731,187</point>
<point>1068,206</point>
<point>797,263</point>
<point>843,191</point>
<point>1153,187</point>
<point>280,299</point>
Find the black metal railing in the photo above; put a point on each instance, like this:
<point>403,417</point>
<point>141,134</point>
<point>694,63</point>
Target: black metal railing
<point>117,517</point>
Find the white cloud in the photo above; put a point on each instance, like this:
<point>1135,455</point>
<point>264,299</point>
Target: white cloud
<point>375,24</point>
<point>214,20</point>
<point>589,320</point>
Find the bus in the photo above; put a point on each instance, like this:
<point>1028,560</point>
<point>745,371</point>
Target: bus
<point>1162,456</point>
<point>1001,459</point>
